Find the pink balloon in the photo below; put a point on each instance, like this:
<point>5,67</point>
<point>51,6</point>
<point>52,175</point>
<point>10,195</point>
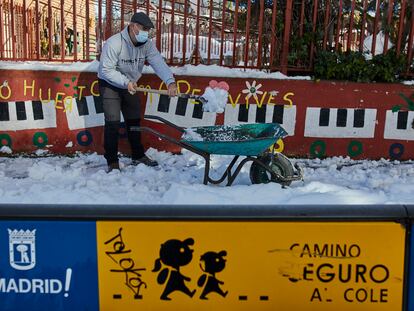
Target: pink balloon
<point>223,85</point>
<point>213,84</point>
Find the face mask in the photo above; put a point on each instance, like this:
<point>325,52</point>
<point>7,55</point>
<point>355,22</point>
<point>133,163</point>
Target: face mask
<point>142,36</point>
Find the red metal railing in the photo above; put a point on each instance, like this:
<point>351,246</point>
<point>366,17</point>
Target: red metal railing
<point>265,34</point>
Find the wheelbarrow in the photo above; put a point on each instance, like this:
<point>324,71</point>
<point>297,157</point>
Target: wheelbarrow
<point>253,141</point>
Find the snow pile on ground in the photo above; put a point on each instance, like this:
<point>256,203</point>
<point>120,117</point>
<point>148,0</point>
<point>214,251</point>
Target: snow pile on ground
<point>6,149</point>
<point>178,180</point>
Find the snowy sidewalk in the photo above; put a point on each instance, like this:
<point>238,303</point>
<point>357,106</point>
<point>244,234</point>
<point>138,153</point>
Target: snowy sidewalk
<point>178,180</point>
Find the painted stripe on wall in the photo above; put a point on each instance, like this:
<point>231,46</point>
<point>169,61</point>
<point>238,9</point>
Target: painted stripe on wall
<point>26,115</point>
<point>239,114</point>
<point>399,125</point>
<point>341,123</point>
<point>180,111</point>
<point>86,113</point>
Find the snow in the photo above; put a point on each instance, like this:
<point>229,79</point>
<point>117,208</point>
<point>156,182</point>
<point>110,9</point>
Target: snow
<point>41,152</point>
<point>203,42</point>
<point>216,100</point>
<point>178,180</point>
<point>216,95</point>
<point>6,149</point>
<point>48,66</point>
<point>187,70</point>
<point>379,45</point>
<point>190,134</point>
<point>218,71</point>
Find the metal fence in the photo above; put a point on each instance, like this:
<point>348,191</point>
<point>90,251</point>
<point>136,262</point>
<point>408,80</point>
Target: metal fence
<point>266,34</point>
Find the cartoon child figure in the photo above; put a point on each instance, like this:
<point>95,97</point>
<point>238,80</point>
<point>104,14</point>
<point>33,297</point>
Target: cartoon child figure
<point>174,254</point>
<point>213,263</point>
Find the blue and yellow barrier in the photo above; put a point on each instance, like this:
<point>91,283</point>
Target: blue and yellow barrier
<point>206,258</point>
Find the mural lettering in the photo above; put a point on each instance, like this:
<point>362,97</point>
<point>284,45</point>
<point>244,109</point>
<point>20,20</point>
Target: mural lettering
<point>254,101</point>
<point>63,98</point>
<point>5,90</point>
<point>260,97</point>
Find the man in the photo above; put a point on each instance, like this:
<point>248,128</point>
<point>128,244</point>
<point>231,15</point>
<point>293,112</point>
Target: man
<point>121,63</point>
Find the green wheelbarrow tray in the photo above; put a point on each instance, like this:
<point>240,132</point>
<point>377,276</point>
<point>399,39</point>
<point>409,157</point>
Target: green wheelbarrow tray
<point>243,139</point>
<point>249,140</point>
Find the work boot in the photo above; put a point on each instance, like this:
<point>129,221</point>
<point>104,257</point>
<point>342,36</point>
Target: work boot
<point>144,160</point>
<point>113,166</point>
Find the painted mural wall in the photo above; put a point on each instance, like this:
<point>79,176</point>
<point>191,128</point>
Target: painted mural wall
<point>62,113</point>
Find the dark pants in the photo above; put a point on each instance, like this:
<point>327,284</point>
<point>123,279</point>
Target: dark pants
<point>114,101</point>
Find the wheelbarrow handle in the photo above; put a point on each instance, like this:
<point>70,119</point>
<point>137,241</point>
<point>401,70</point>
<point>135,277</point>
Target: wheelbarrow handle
<point>145,90</point>
<point>200,98</point>
<point>151,117</point>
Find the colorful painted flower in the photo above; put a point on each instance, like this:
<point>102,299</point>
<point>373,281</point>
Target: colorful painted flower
<point>252,90</point>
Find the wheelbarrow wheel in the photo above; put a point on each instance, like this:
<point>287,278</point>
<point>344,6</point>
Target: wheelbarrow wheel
<point>280,165</point>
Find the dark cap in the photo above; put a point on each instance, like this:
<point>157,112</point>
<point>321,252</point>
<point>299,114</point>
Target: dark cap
<point>143,19</point>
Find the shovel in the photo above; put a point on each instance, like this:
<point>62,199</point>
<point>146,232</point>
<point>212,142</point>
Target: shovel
<point>199,98</point>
